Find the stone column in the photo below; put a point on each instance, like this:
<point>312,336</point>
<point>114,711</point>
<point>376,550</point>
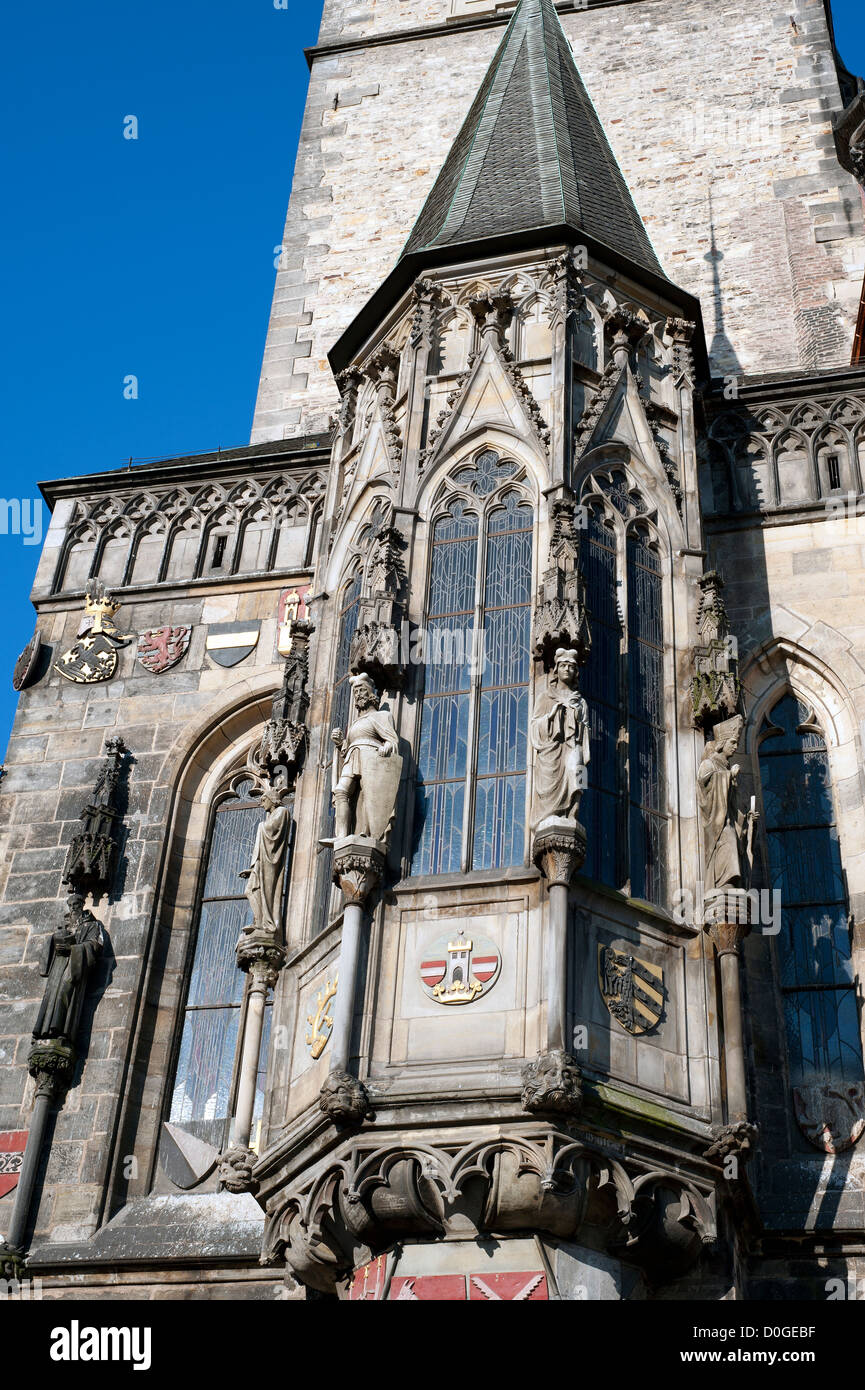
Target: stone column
<point>358,863</point>
<point>727,922</point>
<point>559,850</point>
<point>51,1064</point>
<point>261,957</point>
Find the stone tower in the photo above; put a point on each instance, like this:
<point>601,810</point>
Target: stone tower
<point>465,904</point>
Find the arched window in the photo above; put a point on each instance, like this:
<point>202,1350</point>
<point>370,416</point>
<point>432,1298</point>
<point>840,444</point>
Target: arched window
<point>472,756</point>
<point>817,979</point>
<point>624,806</point>
<point>202,1098</point>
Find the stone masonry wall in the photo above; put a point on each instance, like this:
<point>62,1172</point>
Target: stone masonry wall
<point>719,114</point>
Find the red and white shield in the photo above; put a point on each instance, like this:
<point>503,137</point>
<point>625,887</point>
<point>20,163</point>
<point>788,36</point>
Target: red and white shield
<point>162,647</point>
<point>432,972</point>
<point>12,1144</point>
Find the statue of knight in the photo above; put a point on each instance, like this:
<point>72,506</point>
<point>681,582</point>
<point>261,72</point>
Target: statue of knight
<point>368,768</point>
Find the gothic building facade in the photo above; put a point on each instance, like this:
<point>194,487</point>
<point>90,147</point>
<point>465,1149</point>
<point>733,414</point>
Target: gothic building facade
<point>433,833</point>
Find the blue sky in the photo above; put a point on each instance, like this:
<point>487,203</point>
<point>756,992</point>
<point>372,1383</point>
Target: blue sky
<point>150,257</point>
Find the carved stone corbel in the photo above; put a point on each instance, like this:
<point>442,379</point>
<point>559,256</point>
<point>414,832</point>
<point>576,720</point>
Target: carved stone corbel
<point>552,1084</point>
<point>344,1099</point>
<point>732,1141</point>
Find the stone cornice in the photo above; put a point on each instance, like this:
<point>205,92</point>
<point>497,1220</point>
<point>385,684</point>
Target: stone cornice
<point>325,48</point>
<point>279,454</point>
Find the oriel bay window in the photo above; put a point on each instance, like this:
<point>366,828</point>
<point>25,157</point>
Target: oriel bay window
<point>472,754</point>
<point>205,1076</point>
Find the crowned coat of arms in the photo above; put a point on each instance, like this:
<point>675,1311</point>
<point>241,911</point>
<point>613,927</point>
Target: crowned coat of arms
<point>93,655</point>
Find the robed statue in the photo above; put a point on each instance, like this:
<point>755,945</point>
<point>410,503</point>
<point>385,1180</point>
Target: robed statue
<point>560,738</point>
<point>70,955</point>
<point>727,830</point>
<point>368,767</point>
<point>265,877</point>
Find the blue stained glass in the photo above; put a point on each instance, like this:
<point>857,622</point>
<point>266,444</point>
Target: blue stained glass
<point>441,808</point>
<point>499,822</point>
<point>502,730</point>
<point>646,724</point>
<point>202,1087</point>
<point>486,473</point>
<point>230,851</point>
<point>814,948</point>
<point>339,712</point>
<point>500,695</point>
<point>215,977</point>
<point>600,684</point>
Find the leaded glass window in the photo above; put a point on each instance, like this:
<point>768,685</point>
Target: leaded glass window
<point>472,755</point>
<point>624,806</point>
<point>814,947</point>
<point>339,714</point>
<point>647,825</point>
<point>203,1093</point>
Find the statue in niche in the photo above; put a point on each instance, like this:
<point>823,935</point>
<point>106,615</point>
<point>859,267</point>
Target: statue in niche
<point>70,955</point>
<point>265,877</point>
<point>368,767</point>
<point>560,738</point>
<point>727,830</point>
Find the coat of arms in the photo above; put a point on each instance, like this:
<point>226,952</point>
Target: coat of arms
<point>12,1145</point>
<point>831,1115</point>
<point>632,989</point>
<point>93,655</point>
<point>292,609</point>
<point>25,666</point>
<point>229,643</point>
<point>162,647</point>
<point>458,971</point>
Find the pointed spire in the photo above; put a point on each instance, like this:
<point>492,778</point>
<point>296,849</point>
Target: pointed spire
<point>532,153</point>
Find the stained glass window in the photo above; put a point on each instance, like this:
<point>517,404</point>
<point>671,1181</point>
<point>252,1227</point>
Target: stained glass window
<point>600,685</point>
<point>647,826</point>
<point>624,806</point>
<point>805,867</point>
<point>202,1097</point>
<point>339,714</point>
<point>472,757</point>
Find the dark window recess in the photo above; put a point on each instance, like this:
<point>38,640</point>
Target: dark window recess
<point>219,544</point>
<point>833,463</point>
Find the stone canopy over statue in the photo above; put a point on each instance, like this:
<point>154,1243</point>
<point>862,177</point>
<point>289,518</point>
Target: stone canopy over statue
<point>368,768</point>
<point>70,954</point>
<point>727,830</point>
<point>560,739</point>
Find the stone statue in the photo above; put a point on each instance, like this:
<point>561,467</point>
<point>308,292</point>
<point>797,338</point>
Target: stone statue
<point>725,826</point>
<point>368,767</point>
<point>70,955</point>
<point>560,738</point>
<point>265,877</point>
